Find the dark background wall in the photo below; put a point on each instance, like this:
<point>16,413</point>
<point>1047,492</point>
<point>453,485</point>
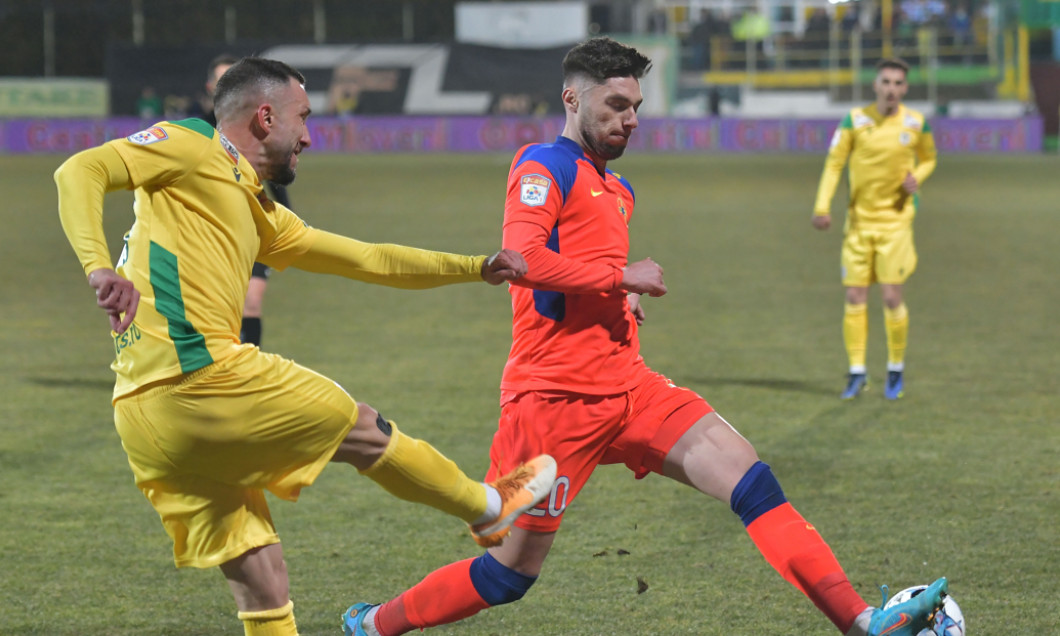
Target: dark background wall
<point>85,28</point>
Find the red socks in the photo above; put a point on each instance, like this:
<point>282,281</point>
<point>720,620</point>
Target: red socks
<point>445,596</point>
<point>795,549</point>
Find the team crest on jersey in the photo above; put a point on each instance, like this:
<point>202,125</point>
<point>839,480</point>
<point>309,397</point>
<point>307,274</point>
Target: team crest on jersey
<point>533,189</point>
<point>229,147</point>
<point>154,134</point>
<point>905,138</point>
<point>622,208</point>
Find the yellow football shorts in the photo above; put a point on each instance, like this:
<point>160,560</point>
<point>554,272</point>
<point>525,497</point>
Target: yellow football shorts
<point>877,256</point>
<point>204,450</point>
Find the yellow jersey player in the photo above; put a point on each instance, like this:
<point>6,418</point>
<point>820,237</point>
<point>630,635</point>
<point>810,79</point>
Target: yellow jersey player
<point>891,152</point>
<point>209,424</point>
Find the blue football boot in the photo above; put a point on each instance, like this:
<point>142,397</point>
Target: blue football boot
<point>352,618</point>
<point>910,617</point>
<point>856,383</point>
<point>894,388</point>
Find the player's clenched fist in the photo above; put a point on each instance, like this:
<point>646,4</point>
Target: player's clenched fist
<point>503,266</point>
<point>643,277</point>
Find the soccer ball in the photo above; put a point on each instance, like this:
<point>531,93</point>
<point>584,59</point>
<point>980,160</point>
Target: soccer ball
<point>949,621</point>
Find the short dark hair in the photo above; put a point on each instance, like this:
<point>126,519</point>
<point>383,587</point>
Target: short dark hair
<point>603,58</point>
<point>251,73</point>
<point>224,59</point>
<point>893,62</point>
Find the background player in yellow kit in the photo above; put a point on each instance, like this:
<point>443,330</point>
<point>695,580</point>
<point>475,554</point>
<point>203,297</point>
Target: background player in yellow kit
<point>208,423</point>
<point>891,151</point>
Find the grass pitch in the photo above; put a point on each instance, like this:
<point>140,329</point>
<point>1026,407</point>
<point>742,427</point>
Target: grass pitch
<point>960,478</point>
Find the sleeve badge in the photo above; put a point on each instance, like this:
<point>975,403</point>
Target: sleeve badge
<point>533,189</point>
<point>154,134</point>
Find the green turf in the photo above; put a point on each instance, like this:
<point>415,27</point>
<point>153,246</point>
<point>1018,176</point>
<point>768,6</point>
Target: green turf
<point>959,478</point>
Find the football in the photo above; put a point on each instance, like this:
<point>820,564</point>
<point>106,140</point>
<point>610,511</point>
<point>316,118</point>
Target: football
<point>949,621</point>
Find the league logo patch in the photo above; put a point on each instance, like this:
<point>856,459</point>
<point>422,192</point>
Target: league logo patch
<point>152,135</point>
<point>229,147</point>
<point>533,189</point>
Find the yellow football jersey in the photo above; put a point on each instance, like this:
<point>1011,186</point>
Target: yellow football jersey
<point>202,221</point>
<point>881,150</point>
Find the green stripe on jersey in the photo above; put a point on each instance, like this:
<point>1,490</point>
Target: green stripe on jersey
<point>198,125</point>
<point>165,281</point>
<point>927,126</point>
<point>848,122</point>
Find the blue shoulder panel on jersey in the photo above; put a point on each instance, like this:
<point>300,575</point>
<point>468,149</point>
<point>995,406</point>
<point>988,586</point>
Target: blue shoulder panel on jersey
<point>198,125</point>
<point>561,161</point>
<point>560,158</point>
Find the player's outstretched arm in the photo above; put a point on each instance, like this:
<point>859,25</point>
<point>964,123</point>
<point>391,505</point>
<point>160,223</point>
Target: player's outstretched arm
<point>398,265</point>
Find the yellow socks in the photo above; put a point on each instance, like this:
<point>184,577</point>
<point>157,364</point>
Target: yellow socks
<point>856,335</point>
<point>273,622</point>
<point>413,470</point>
<point>897,322</point>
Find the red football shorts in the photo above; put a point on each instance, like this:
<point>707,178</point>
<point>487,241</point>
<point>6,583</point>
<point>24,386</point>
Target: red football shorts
<point>637,428</point>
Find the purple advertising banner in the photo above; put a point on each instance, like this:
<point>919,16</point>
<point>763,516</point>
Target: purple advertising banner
<point>400,134</point>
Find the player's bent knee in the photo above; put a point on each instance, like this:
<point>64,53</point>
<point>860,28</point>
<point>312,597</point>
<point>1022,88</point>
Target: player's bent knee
<point>496,583</point>
<point>367,441</point>
<point>368,418</point>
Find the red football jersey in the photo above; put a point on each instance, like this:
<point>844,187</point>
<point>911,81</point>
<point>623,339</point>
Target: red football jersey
<point>572,329</point>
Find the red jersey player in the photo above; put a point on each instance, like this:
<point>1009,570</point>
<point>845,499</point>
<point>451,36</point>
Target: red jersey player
<point>576,387</point>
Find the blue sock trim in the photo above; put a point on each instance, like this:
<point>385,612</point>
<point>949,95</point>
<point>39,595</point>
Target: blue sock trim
<point>496,583</point>
<point>757,493</point>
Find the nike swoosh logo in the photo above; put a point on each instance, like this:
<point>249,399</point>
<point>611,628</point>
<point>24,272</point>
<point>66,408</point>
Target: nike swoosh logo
<point>595,193</point>
<point>906,619</point>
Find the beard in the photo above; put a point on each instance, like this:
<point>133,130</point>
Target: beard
<point>596,147</point>
<point>282,173</point>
